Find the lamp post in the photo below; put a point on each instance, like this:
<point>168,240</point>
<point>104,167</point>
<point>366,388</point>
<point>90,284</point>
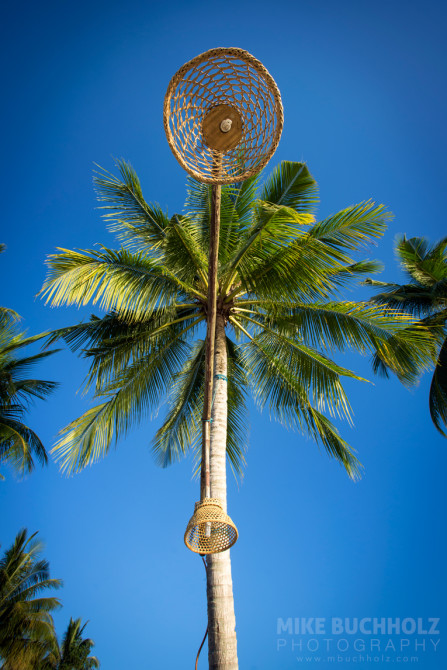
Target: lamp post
<point>223,119</point>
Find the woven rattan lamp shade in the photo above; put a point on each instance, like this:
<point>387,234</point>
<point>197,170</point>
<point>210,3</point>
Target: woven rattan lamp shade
<point>210,530</point>
<point>217,86</point>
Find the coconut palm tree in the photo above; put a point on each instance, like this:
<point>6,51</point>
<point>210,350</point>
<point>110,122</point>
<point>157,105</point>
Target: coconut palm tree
<point>424,297</point>
<point>19,444</point>
<point>26,624</point>
<point>277,316</point>
<point>74,652</point>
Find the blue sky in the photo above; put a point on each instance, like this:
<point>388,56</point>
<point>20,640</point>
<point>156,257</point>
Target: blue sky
<point>363,87</point>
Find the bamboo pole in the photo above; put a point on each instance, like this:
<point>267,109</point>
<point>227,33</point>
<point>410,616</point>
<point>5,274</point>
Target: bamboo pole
<point>210,337</point>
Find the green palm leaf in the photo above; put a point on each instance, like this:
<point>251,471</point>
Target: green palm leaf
<point>425,297</point>
<point>275,385</point>
<point>181,429</point>
<point>136,389</point>
<point>423,264</point>
<point>438,392</point>
<point>19,444</point>
<point>135,221</point>
<point>291,185</point>
<point>352,227</point>
<point>26,625</point>
<point>120,280</point>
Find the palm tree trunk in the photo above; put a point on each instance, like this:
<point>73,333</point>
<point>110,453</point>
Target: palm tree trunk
<point>222,644</point>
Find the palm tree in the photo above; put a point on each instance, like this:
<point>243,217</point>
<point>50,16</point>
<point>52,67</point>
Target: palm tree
<point>19,444</point>
<point>277,315</point>
<point>74,652</point>
<point>26,624</point>
<point>424,297</point>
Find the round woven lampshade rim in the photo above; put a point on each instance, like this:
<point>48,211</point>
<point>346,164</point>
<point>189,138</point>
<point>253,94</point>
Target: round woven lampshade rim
<point>265,74</point>
<point>215,551</point>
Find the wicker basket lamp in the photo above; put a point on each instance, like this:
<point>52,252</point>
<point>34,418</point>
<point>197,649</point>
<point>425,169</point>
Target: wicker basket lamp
<point>210,530</point>
<point>223,116</point>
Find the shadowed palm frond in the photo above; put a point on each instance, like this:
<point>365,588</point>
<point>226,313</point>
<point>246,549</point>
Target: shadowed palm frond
<point>237,429</point>
<point>438,392</point>
<point>181,428</point>
<point>424,264</point>
<point>19,444</point>
<point>392,337</point>
<point>137,389</point>
<point>26,625</point>
<point>274,384</point>
<point>112,344</point>
<point>74,650</point>
<point>425,297</point>
<point>316,375</point>
<point>416,300</point>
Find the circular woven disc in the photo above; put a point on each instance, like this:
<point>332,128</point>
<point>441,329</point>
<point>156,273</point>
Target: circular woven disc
<point>217,79</point>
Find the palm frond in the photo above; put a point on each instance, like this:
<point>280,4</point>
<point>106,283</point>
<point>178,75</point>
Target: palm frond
<point>412,298</point>
<point>317,375</point>
<point>394,339</point>
<point>263,244</point>
<point>8,317</point>
<point>275,385</point>
<point>18,445</point>
<point>126,282</point>
<point>18,366</point>
<point>184,252</point>
<point>237,426</point>
<point>438,392</point>
<point>26,625</point>
<point>291,185</point>
<point>181,429</point>
<point>129,215</point>
<point>139,387</point>
<point>423,264</point>
<point>352,227</point>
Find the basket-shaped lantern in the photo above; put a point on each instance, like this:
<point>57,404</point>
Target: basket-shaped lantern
<point>223,116</point>
<point>210,530</point>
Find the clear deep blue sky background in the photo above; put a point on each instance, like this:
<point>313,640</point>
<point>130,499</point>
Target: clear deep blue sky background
<point>363,86</point>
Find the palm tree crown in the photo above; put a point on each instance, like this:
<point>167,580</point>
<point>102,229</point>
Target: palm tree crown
<point>74,653</point>
<point>19,444</point>
<point>424,297</point>
<point>278,281</point>
<point>26,625</point>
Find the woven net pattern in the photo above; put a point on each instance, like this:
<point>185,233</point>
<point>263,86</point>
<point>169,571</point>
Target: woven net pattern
<point>223,77</point>
<point>210,530</point>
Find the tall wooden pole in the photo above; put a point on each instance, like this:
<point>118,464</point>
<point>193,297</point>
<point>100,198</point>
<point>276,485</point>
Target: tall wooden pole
<point>205,491</point>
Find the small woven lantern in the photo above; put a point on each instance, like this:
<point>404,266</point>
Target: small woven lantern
<point>223,116</point>
<point>210,530</point>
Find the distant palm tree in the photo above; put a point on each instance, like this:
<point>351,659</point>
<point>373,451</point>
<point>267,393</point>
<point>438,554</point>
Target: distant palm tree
<point>277,316</point>
<point>73,654</point>
<point>26,624</point>
<point>19,444</point>
<point>424,297</point>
